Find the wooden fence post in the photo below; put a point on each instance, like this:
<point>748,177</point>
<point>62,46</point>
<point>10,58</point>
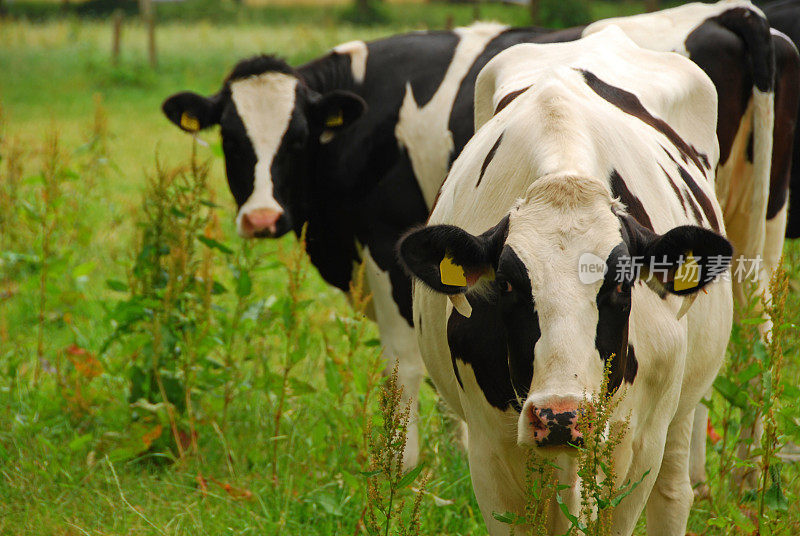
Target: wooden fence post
<point>534,10</point>
<point>117,38</point>
<point>146,10</point>
<point>151,40</point>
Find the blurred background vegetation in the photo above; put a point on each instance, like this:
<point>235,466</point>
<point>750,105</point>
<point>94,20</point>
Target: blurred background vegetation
<point>160,376</point>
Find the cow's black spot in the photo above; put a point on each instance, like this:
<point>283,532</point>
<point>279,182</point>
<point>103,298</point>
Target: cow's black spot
<point>630,104</point>
<point>443,46</point>
<point>505,101</point>
<point>633,204</point>
<point>632,366</point>
<point>488,159</point>
<point>783,15</point>
<point>675,189</point>
<point>753,29</point>
<point>702,198</point>
<point>702,156</point>
<point>240,157</point>
<point>498,339</point>
<point>698,215</point>
<point>559,426</point>
<point>614,308</point>
<point>734,50</point>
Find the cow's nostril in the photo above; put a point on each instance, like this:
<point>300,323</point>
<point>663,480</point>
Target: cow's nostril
<point>536,422</point>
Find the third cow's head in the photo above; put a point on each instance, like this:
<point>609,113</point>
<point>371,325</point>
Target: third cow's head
<point>271,125</point>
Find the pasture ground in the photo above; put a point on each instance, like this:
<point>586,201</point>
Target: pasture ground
<point>280,389</point>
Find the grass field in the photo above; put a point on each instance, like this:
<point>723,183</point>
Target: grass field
<point>110,305</point>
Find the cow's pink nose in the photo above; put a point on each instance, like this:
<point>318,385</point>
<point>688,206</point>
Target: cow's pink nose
<point>555,426</point>
<point>260,220</point>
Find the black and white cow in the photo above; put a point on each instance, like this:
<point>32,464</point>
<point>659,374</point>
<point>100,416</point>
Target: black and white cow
<point>601,155</point>
<point>784,17</point>
<point>357,142</point>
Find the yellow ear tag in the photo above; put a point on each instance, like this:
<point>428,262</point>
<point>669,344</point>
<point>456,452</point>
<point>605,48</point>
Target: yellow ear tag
<point>189,122</point>
<point>451,273</point>
<point>688,274</point>
<point>335,120</point>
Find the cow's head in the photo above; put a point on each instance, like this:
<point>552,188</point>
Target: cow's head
<point>271,125</point>
<point>536,316</point>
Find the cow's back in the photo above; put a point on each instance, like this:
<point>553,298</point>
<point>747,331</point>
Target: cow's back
<point>574,111</point>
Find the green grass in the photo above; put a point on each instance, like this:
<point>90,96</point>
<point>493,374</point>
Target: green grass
<point>75,457</point>
<point>63,443</point>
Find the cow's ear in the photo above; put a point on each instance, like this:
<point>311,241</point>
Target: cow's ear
<point>337,110</point>
<point>193,112</point>
<point>683,260</point>
<point>450,260</point>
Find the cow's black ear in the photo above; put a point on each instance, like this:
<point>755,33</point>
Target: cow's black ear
<point>193,112</point>
<point>685,259</point>
<point>448,259</point>
<point>337,110</point>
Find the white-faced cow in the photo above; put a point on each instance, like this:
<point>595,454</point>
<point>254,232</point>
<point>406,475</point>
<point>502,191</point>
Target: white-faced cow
<point>357,143</point>
<point>598,156</point>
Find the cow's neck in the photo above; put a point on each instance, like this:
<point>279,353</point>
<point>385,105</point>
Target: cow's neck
<point>327,73</point>
<point>353,194</point>
<point>330,235</point>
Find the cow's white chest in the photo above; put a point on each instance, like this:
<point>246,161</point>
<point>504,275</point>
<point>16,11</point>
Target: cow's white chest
<point>424,131</point>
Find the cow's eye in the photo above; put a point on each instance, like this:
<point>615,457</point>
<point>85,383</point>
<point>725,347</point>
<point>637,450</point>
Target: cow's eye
<point>298,144</point>
<point>504,285</point>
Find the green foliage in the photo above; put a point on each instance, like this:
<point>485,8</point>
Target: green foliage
<point>79,455</point>
<point>388,486</point>
<point>564,13</point>
<point>748,486</point>
<point>366,13</point>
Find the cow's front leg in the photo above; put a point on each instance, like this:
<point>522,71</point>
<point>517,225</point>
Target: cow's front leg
<point>497,488</point>
<point>498,474</point>
<point>399,346</point>
<point>671,497</point>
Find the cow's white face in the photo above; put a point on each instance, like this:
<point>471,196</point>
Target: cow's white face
<point>272,126</point>
<point>551,232</point>
<point>539,334</point>
<point>265,104</point>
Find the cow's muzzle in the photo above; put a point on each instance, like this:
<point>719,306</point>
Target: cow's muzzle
<point>262,223</point>
<point>551,423</point>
